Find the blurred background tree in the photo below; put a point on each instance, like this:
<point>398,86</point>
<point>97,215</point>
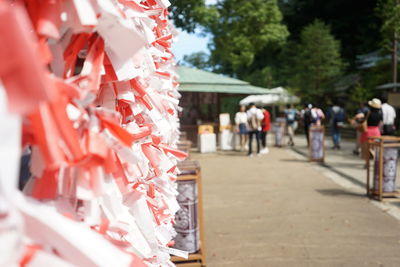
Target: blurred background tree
<point>270,43</point>
<point>354,23</point>
<point>389,11</point>
<point>358,95</point>
<point>244,35</point>
<point>199,60</point>
<point>316,63</point>
<point>190,15</point>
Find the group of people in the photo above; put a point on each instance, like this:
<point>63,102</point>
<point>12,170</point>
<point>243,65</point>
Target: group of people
<point>374,118</point>
<point>253,124</point>
<point>335,118</point>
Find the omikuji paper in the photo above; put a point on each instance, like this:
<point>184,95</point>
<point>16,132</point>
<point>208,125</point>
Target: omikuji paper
<point>89,94</point>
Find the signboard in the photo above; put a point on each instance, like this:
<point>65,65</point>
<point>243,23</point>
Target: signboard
<point>394,99</point>
<point>224,119</point>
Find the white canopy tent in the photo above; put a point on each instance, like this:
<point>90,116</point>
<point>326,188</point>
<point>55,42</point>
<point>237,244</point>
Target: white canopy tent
<point>275,96</point>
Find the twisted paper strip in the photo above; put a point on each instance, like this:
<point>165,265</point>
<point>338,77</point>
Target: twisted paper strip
<point>93,86</point>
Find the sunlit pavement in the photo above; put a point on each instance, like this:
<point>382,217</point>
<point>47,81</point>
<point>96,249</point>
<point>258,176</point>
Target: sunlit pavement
<point>341,162</point>
<point>281,210</point>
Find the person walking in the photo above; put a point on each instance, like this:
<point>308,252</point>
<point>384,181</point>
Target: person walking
<point>266,126</point>
<point>372,122</point>
<point>241,126</point>
<point>291,121</point>
<point>307,120</point>
<point>356,122</point>
<point>389,115</point>
<point>336,117</point>
<point>312,116</point>
<point>254,118</point>
<point>317,116</point>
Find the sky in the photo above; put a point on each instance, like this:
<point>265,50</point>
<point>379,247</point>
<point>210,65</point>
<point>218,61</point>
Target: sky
<point>186,43</point>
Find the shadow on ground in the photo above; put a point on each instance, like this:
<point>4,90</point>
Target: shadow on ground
<point>233,153</point>
<point>347,165</point>
<point>339,192</point>
<point>294,160</point>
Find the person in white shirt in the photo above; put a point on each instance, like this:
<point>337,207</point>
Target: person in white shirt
<point>389,115</point>
<point>241,126</point>
<point>254,118</point>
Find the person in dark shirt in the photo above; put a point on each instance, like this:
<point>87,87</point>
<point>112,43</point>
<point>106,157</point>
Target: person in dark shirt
<point>363,109</point>
<point>307,120</point>
<point>374,121</point>
<point>375,118</point>
<point>336,117</point>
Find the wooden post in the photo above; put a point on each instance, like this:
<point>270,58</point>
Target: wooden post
<point>394,62</point>
<point>201,219</point>
<point>380,169</point>
<point>218,104</point>
<point>394,56</point>
<point>368,167</point>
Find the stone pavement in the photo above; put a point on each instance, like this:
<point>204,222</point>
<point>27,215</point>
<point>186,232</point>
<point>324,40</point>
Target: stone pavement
<point>280,210</point>
<point>342,162</point>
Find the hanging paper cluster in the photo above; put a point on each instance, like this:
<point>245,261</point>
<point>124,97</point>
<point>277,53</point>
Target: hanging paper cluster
<point>88,91</point>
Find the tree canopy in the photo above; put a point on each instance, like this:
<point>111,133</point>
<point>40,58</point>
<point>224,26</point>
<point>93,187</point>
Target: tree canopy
<point>389,12</point>
<point>308,45</point>
<point>316,62</point>
<point>242,32</point>
<point>199,60</point>
<point>190,14</point>
<point>355,23</point>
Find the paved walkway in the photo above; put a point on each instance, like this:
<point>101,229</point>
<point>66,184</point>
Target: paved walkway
<point>280,210</point>
<point>341,162</point>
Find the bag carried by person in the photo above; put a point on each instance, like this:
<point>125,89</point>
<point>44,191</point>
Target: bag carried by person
<point>389,129</point>
<point>339,118</point>
<point>254,123</point>
<point>307,117</point>
<point>314,116</point>
<point>363,127</point>
<point>290,117</point>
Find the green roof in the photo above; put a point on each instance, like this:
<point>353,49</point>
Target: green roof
<point>195,80</point>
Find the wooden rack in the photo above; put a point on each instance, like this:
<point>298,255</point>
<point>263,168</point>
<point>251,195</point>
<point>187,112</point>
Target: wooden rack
<point>379,144</point>
<point>191,171</point>
<point>185,146</point>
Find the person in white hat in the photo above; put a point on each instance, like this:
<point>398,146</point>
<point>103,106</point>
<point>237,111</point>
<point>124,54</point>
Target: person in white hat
<point>374,120</point>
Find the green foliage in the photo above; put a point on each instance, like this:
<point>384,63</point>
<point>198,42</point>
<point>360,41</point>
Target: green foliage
<point>264,77</point>
<point>316,63</point>
<point>190,14</point>
<point>378,75</point>
<point>359,94</point>
<point>354,22</point>
<point>389,12</point>
<point>241,33</point>
<point>199,60</point>
<point>250,40</point>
